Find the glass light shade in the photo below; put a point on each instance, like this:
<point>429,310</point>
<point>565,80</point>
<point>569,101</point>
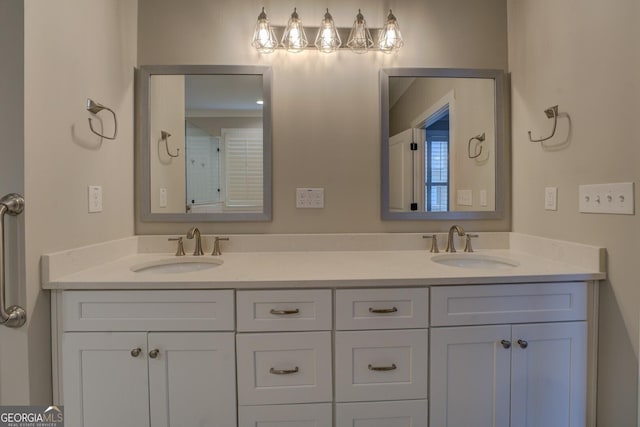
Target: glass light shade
<point>264,39</point>
<point>328,39</point>
<point>360,40</point>
<point>389,38</point>
<point>294,38</point>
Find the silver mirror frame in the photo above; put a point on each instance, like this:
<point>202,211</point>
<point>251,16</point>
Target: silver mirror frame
<point>144,195</point>
<point>502,149</point>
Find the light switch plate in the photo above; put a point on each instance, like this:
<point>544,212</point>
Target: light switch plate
<point>465,198</point>
<point>163,198</point>
<point>617,198</point>
<point>551,198</point>
<point>483,198</point>
<point>95,198</point>
<point>312,198</point>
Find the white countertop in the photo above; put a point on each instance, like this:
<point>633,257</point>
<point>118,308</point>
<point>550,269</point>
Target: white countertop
<point>323,268</point>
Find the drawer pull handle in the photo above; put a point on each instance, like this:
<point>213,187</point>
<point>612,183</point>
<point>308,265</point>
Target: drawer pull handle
<point>275,371</point>
<point>382,310</point>
<point>136,352</point>
<point>284,312</point>
<point>383,368</point>
<point>506,344</point>
<point>154,353</point>
<point>523,343</point>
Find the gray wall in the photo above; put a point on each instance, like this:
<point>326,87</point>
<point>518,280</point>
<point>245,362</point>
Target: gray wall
<point>585,57</point>
<point>326,130</point>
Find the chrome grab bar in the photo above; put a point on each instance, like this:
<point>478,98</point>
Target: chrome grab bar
<point>14,316</point>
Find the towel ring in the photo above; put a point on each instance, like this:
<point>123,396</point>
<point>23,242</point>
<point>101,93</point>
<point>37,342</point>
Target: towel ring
<point>480,138</point>
<point>94,108</point>
<point>552,113</point>
<point>165,137</point>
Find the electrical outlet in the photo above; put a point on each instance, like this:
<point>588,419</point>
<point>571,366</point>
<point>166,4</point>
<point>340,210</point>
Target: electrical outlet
<point>310,198</point>
<point>551,198</point>
<point>617,198</point>
<point>95,198</point>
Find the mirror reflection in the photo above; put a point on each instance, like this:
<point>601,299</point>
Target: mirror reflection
<point>440,144</point>
<point>205,143</point>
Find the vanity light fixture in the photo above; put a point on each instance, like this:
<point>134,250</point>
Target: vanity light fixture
<point>389,38</point>
<point>264,39</point>
<point>294,38</point>
<point>328,37</point>
<point>360,40</point>
<point>260,102</point>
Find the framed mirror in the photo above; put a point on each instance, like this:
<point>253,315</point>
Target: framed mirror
<point>443,144</point>
<point>205,135</point>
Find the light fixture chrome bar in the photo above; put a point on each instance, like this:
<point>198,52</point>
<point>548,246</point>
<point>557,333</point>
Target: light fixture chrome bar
<point>342,31</point>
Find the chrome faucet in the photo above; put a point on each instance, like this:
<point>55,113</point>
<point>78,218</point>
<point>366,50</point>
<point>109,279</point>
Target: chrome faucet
<point>194,232</point>
<point>451,247</point>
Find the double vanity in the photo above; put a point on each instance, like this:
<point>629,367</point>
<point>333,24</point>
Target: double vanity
<point>326,330</point>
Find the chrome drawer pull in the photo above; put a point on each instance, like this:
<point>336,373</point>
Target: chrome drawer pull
<point>136,352</point>
<point>383,368</point>
<point>382,310</point>
<point>283,371</point>
<point>284,312</point>
<point>506,344</point>
<point>523,343</point>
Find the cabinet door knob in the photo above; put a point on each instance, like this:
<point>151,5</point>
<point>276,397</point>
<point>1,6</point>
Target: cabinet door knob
<point>136,352</point>
<point>523,343</point>
<point>382,310</point>
<point>275,371</point>
<point>154,353</point>
<point>505,343</point>
<point>382,368</point>
<point>284,312</point>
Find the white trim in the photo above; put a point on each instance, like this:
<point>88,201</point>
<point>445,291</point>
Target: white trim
<point>419,122</point>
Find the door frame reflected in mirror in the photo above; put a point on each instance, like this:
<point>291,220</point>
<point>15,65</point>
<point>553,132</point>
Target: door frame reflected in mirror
<point>501,145</point>
<point>143,146</point>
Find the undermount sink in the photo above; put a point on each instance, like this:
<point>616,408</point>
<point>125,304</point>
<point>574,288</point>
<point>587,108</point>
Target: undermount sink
<point>177,265</point>
<point>469,260</point>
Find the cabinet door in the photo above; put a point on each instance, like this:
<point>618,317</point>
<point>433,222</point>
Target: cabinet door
<point>549,375</point>
<point>105,379</point>
<point>470,375</point>
<point>192,379</point>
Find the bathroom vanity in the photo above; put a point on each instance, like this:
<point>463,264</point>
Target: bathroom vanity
<point>326,337</point>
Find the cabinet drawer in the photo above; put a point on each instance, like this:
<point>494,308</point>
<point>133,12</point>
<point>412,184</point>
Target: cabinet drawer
<point>381,365</point>
<point>382,308</point>
<point>148,310</point>
<point>291,310</point>
<point>413,413</point>
<point>305,415</point>
<point>292,367</point>
<point>492,304</point>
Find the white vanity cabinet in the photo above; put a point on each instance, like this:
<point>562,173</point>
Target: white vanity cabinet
<point>284,358</point>
<point>486,355</point>
<point>381,353</point>
<point>121,368</point>
<point>508,355</point>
